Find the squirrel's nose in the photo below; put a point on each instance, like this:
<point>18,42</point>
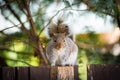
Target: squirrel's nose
<point>58,46</point>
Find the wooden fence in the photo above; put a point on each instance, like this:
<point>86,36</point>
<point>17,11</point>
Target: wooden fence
<point>103,72</point>
<point>39,73</point>
<point>94,72</point>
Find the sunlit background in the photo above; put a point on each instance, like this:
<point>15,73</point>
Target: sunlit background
<point>96,31</point>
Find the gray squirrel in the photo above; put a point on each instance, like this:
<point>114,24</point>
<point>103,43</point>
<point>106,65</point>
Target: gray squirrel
<point>61,49</point>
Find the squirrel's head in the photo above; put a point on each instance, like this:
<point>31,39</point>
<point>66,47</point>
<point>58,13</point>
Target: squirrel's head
<point>58,27</point>
<point>58,40</point>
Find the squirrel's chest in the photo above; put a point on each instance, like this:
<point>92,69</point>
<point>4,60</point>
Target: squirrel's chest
<point>61,55</point>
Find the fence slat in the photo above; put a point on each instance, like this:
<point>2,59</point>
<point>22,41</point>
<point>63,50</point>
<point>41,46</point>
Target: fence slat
<point>103,72</point>
<point>39,73</point>
<point>76,75</point>
<point>8,73</point>
<point>22,73</point>
<point>0,73</point>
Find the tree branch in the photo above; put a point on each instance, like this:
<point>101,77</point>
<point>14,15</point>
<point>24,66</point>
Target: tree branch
<point>21,6</point>
<point>30,19</point>
<point>7,49</point>
<point>8,28</point>
<point>17,17</point>
<point>93,8</point>
<point>117,16</point>
<point>34,37</point>
<point>17,60</point>
<point>6,4</point>
<point>3,33</point>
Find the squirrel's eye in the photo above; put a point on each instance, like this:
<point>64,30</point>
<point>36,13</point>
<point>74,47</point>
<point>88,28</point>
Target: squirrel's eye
<point>66,26</point>
<point>55,41</point>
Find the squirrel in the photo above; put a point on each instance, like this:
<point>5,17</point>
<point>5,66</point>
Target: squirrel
<point>61,49</point>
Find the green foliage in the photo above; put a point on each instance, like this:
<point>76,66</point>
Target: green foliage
<point>83,61</point>
<point>89,38</point>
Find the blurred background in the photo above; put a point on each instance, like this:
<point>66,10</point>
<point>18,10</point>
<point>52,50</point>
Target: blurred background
<point>23,30</point>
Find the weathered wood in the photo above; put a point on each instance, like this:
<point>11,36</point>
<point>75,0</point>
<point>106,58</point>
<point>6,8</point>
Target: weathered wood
<point>103,72</point>
<point>8,73</point>
<point>62,73</point>
<point>40,73</point>
<point>76,75</point>
<point>53,73</point>
<point>22,73</point>
<point>66,73</point>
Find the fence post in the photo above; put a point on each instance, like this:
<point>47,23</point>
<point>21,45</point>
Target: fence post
<point>62,73</point>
